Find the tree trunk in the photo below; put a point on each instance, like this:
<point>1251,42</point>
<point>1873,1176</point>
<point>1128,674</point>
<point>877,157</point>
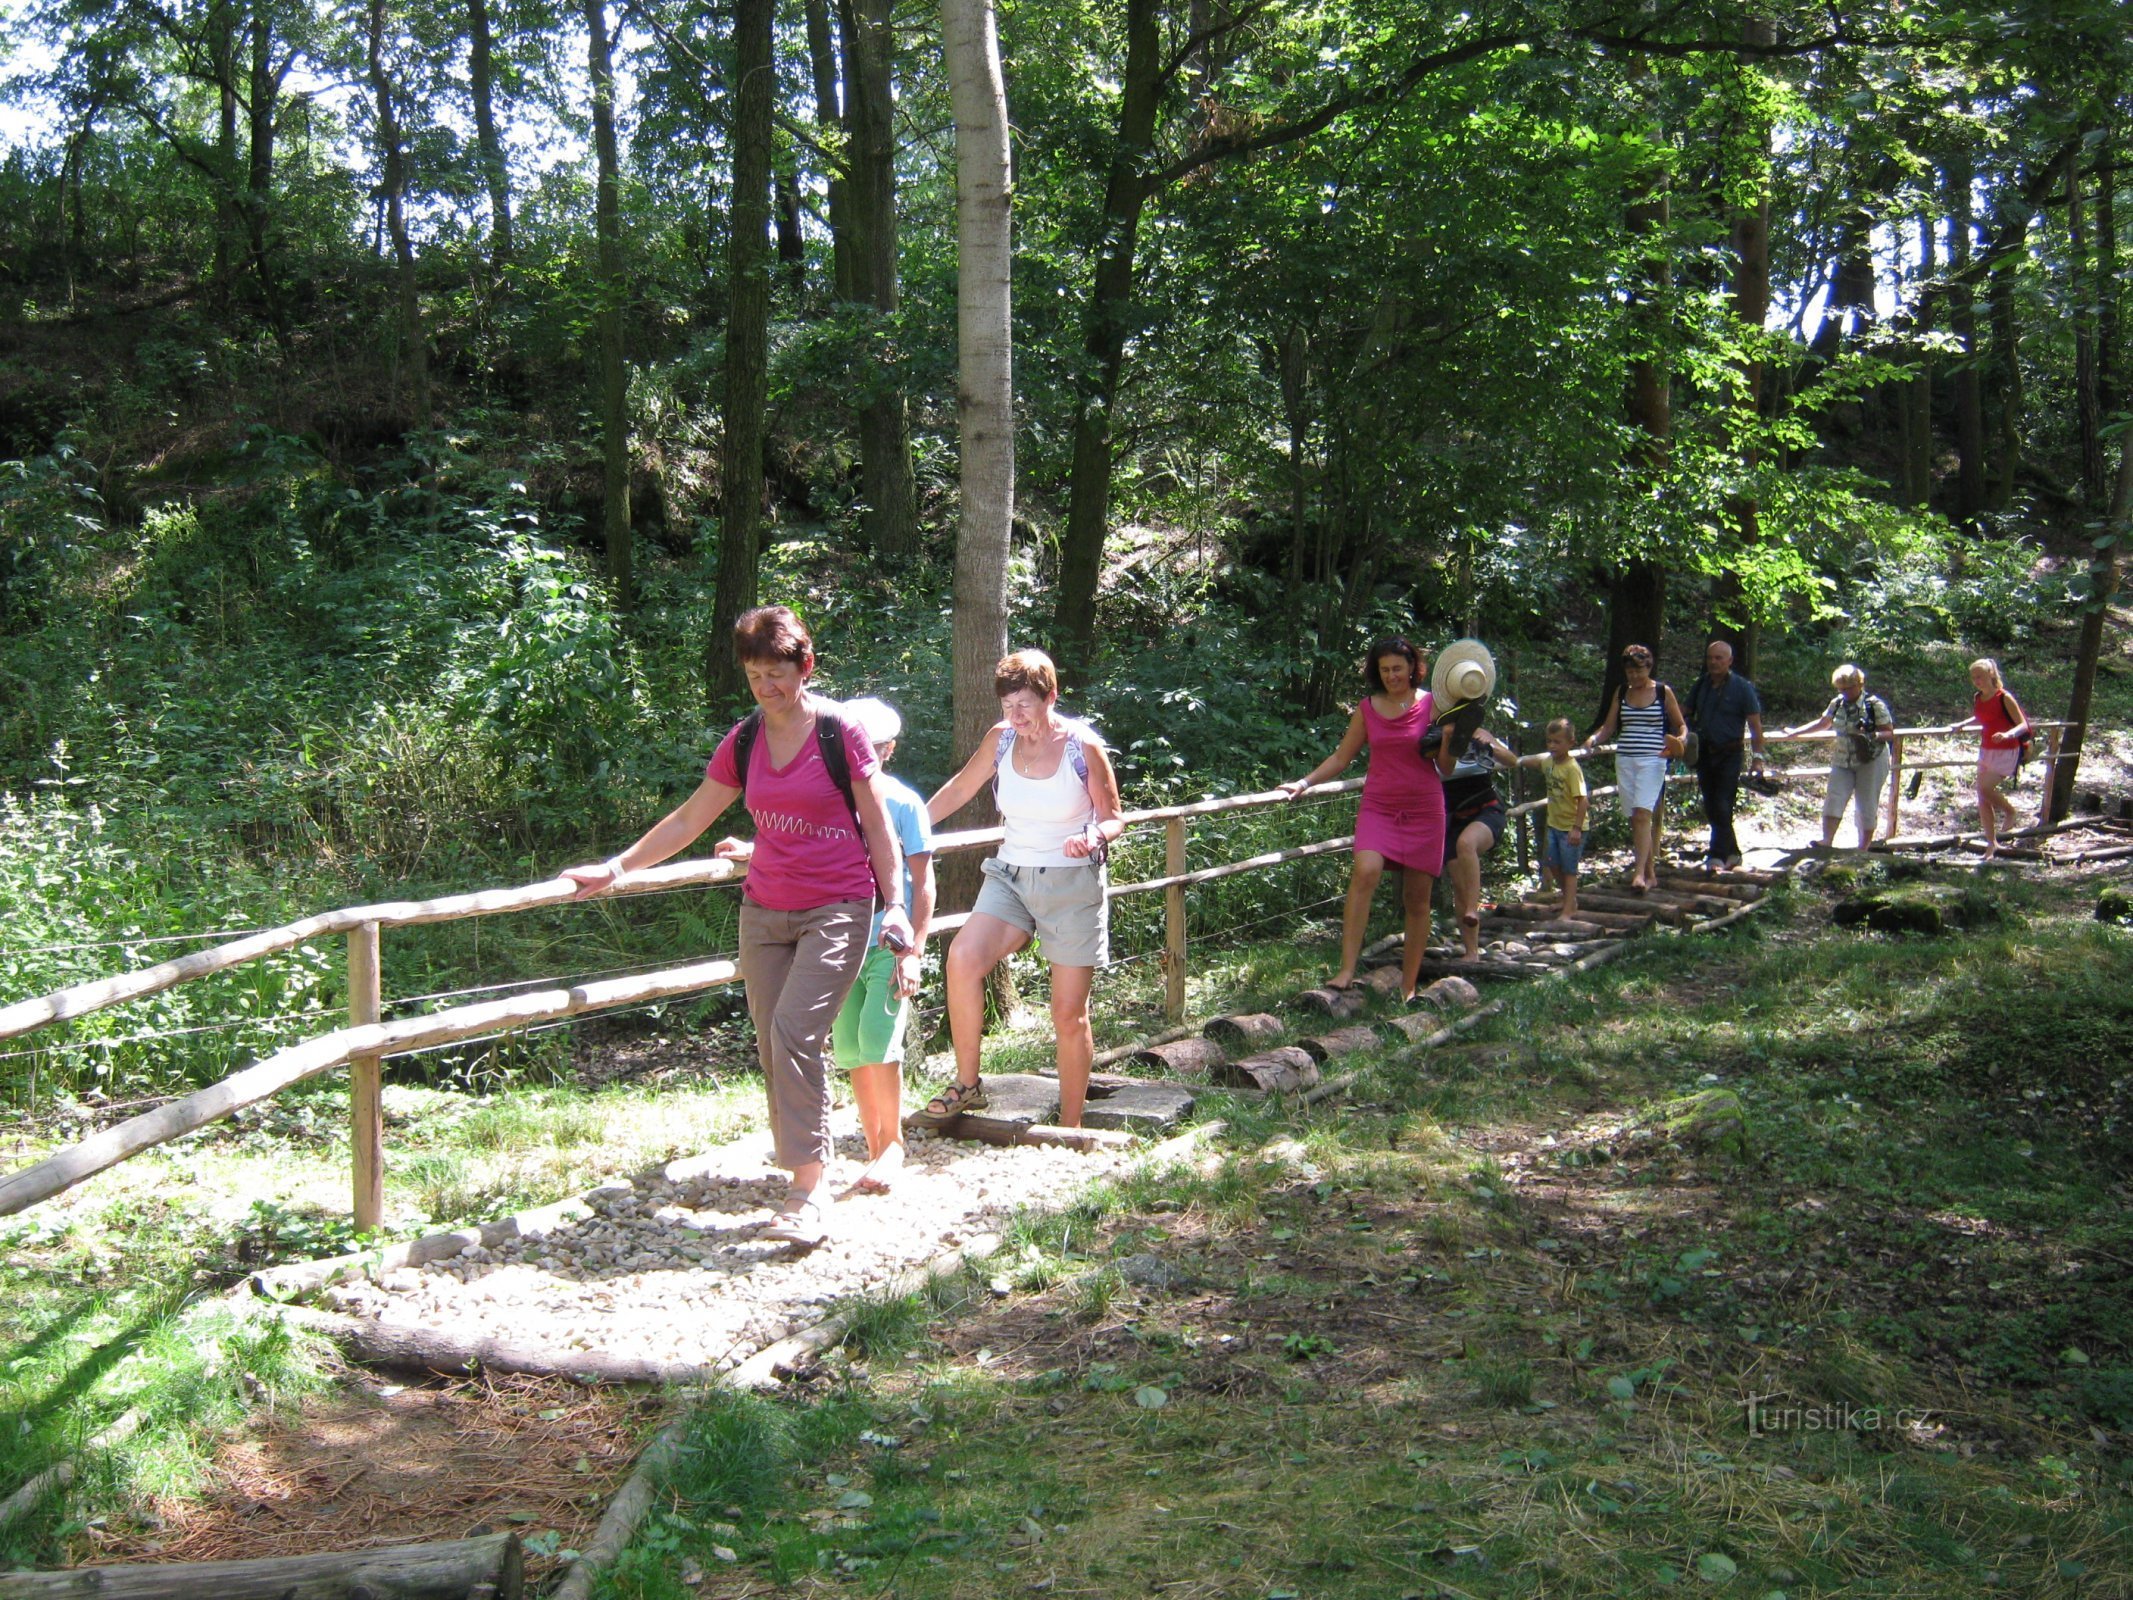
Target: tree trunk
<point>747,346</point>
<point>887,480</point>
<point>392,152</point>
<point>984,384</point>
<point>792,247</point>
<point>829,115</point>
<point>614,371</point>
<point>1962,308</point>
<point>1636,599</point>
<point>2089,289</point>
<point>2004,319</point>
<point>495,171</point>
<point>229,220</point>
<point>2109,392</point>
<point>1104,331</point>
<point>262,104</point>
<point>1751,307</point>
<point>2096,616</point>
<point>1919,468</point>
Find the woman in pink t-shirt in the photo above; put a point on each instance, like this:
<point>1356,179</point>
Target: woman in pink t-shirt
<point>815,865</point>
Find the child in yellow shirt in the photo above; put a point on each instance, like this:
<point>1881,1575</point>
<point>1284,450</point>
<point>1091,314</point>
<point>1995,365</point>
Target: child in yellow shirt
<point>1566,814</point>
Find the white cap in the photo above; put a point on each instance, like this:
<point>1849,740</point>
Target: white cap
<point>877,718</point>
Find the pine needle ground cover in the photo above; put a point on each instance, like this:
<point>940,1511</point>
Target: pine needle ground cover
<point>1796,1262</point>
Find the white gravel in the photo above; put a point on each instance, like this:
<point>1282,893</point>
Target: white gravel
<point>675,1269</point>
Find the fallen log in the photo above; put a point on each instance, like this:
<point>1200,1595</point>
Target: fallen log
<point>1325,1046</point>
<point>1544,909</point>
<point>1082,1139</point>
<point>1105,1058</point>
<point>1188,1058</point>
<point>1666,908</point>
<point>1242,1032</point>
<point>406,1346</point>
<point>1339,1004</point>
<point>1279,1071</point>
<point>1710,888</point>
<point>494,1564</point>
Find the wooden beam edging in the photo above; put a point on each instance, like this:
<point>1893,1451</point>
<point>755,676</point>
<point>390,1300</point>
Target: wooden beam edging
<point>619,1522</point>
<point>61,1473</point>
<point>82,998</point>
<point>43,1179</point>
<point>458,1567</point>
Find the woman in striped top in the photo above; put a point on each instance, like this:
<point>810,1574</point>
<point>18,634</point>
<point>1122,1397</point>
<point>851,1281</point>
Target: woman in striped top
<point>1649,720</point>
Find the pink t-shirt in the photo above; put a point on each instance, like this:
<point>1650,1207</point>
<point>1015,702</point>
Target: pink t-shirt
<point>808,849</point>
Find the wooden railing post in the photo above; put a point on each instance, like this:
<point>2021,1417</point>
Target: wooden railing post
<point>1174,921</point>
<point>366,1106</point>
<point>2051,773</point>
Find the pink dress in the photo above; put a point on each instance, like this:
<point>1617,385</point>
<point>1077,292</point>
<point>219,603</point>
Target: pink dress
<point>1402,814</point>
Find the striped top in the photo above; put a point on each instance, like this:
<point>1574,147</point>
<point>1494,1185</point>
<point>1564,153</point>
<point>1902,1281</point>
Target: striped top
<point>1643,731</point>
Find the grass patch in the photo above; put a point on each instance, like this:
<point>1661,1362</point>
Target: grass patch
<point>1791,1261</point>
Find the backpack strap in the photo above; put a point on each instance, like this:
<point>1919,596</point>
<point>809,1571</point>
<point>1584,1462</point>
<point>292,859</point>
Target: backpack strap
<point>836,761</point>
<point>744,735</point>
<point>829,739</point>
<point>1076,757</point>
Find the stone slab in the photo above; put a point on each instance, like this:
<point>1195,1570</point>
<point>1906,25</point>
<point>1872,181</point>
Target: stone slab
<point>1141,1108</point>
<point>1013,1101</point>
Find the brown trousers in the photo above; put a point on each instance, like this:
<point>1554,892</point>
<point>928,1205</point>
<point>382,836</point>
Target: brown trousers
<point>797,967</point>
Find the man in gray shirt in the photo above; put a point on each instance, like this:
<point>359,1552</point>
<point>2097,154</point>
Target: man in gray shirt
<point>1725,711</point>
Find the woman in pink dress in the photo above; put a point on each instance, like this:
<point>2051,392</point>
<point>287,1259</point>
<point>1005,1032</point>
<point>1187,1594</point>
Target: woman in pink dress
<point>1401,818</point>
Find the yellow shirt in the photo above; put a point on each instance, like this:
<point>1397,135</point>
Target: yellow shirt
<point>1566,787</point>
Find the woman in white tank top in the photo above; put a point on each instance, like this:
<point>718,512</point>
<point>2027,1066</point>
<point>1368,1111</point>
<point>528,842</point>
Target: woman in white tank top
<point>1059,808</point>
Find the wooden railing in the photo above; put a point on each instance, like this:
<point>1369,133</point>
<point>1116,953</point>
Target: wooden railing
<point>366,1042</point>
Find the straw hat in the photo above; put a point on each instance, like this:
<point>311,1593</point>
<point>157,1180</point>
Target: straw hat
<point>1465,672</point>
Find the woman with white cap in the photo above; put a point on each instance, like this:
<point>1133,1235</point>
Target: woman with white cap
<point>1401,820</point>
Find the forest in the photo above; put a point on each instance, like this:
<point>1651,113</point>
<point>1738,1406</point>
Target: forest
<point>399,403</point>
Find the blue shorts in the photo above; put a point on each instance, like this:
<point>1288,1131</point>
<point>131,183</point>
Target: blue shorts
<point>1561,855</point>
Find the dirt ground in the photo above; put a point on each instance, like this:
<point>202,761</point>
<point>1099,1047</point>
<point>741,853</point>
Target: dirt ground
<point>380,1463</point>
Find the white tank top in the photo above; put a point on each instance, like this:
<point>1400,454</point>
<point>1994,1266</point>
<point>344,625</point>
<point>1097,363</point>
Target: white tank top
<point>1039,815</point>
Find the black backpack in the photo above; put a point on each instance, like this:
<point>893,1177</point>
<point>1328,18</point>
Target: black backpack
<point>829,738</point>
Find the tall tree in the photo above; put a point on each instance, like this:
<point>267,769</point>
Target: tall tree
<point>984,362</point>
<point>610,293</point>
<point>748,265</point>
<point>1104,331</point>
<point>392,156</point>
<point>495,170</point>
<point>1961,177</point>
<point>1747,187</point>
<point>887,481</point>
<point>1636,591</point>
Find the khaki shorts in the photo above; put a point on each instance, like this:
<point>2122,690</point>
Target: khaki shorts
<point>1064,906</point>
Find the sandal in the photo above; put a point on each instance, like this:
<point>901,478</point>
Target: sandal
<point>952,1102</point>
<point>802,1222</point>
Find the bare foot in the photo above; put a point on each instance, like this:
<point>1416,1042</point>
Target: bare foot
<point>880,1174</point>
<point>1339,982</point>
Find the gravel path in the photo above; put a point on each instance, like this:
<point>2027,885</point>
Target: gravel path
<point>672,1266</point>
